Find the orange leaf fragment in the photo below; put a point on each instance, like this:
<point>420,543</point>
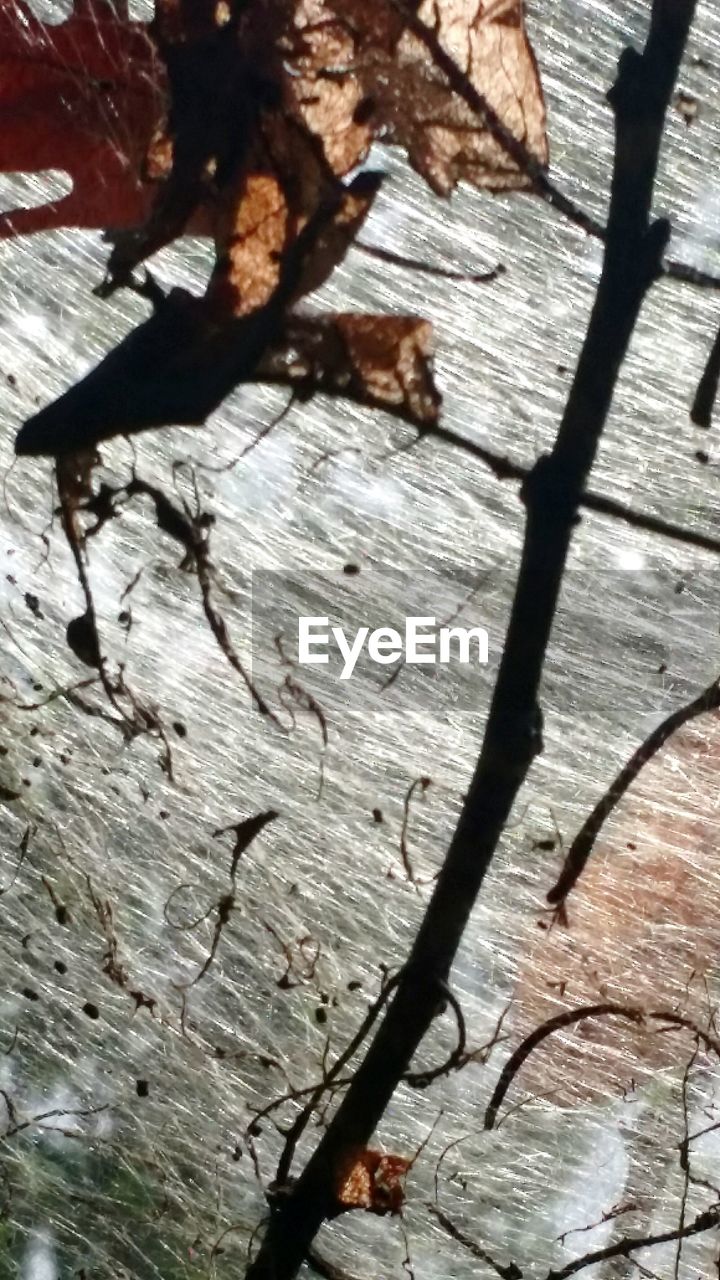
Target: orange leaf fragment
<point>323,90</point>
<point>256,228</point>
<point>390,356</point>
<point>250,269</point>
<point>372,1181</point>
<point>384,362</point>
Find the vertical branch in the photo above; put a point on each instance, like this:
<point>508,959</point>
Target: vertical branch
<point>551,494</point>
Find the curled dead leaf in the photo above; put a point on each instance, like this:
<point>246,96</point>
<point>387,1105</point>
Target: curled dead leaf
<point>248,117</point>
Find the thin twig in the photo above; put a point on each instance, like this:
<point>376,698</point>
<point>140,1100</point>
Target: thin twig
<point>504,468</point>
<point>443,273</point>
<point>684,1164</point>
<point>706,394</point>
<point>510,1272</point>
<point>633,1013</point>
<point>422,783</point>
<point>324,1268</point>
<point>582,845</point>
<point>536,1037</point>
<point>459,1056</point>
<point>330,1078</point>
<point>623,1248</point>
<point>72,474</point>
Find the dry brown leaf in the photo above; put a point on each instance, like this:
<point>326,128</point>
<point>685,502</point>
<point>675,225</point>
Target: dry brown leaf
<point>249,270</point>
<point>88,95</point>
<point>255,231</point>
<point>340,232</point>
<point>270,104</point>
<point>323,90</point>
<point>380,361</point>
<point>390,357</point>
<point>180,364</point>
<point>412,105</point>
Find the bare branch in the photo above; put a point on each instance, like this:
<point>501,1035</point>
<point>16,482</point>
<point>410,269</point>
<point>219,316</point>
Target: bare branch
<point>513,735</point>
<point>623,1248</point>
<point>504,468</point>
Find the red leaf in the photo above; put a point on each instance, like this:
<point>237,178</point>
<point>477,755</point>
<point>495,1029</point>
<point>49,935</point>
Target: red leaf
<point>85,96</point>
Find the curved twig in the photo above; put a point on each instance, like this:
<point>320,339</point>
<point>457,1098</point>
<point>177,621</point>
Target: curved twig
<point>582,845</point>
<point>510,1272</point>
<point>459,1056</point>
<point>568,1019</point>
<point>423,783</point>
<point>301,1121</point>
